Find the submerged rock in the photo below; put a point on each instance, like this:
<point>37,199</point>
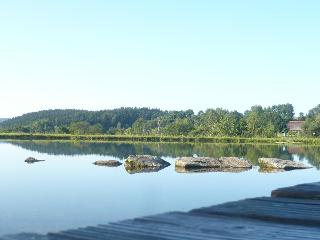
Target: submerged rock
<point>275,163</point>
<point>212,163</point>
<point>32,160</point>
<point>108,163</point>
<point>144,163</point>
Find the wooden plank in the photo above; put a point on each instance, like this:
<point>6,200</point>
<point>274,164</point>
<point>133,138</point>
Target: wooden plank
<point>187,226</point>
<point>307,202</point>
<point>231,228</point>
<point>304,191</point>
<point>269,209</point>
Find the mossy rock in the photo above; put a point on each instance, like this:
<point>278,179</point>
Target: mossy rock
<point>144,163</point>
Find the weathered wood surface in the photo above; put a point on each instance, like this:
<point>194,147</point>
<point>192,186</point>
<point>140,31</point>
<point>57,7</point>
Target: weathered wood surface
<point>284,210</point>
<point>305,191</point>
<point>259,218</point>
<point>178,226</point>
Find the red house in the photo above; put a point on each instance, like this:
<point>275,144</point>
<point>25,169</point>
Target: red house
<point>295,126</point>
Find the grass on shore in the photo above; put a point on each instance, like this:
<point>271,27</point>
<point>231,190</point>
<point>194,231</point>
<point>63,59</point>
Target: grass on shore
<point>157,138</point>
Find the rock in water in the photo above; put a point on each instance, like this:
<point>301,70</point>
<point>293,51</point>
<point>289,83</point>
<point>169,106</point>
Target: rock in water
<point>207,162</point>
<point>108,163</point>
<point>144,163</point>
<point>32,160</point>
<point>275,163</point>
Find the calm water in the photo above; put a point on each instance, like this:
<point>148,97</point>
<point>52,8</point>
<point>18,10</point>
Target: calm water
<point>68,191</point>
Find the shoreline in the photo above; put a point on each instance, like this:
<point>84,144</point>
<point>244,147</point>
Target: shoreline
<point>160,139</point>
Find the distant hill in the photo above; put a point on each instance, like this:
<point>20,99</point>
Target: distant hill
<point>59,120</point>
<point>3,119</point>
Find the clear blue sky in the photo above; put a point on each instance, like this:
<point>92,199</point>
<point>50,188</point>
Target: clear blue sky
<point>169,54</point>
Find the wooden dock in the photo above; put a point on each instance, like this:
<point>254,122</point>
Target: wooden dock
<point>290,213</point>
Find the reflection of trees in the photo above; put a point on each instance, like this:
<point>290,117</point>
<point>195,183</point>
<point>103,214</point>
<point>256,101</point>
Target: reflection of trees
<point>254,152</point>
<point>122,150</point>
<point>311,154</point>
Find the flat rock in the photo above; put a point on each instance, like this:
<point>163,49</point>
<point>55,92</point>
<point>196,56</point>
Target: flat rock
<point>304,191</point>
<point>275,163</point>
<point>212,163</point>
<point>108,163</point>
<point>32,160</point>
<point>144,163</point>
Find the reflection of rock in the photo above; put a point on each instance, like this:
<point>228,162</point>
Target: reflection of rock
<point>205,170</point>
<point>142,170</point>
<point>270,170</point>
<point>212,163</point>
<point>144,163</point>
<point>275,163</point>
<point>32,160</point>
<point>108,163</point>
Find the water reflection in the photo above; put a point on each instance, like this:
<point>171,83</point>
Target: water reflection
<point>143,170</point>
<point>207,170</point>
<point>251,152</point>
<point>67,191</point>
<point>268,170</point>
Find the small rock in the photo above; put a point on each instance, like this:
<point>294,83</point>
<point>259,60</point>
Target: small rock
<point>212,163</point>
<point>144,163</point>
<point>108,163</point>
<point>275,163</point>
<point>32,160</point>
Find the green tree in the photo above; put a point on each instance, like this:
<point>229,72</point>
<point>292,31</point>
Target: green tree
<point>138,126</point>
<point>219,122</point>
<point>301,116</point>
<point>259,123</point>
<point>182,126</point>
<point>280,115</point>
<point>311,126</point>
<point>314,111</point>
<point>61,129</point>
<point>95,129</point>
<point>79,127</point>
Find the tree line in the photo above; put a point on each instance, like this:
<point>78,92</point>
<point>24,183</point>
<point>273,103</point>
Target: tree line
<point>257,121</point>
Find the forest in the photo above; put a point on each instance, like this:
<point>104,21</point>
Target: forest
<point>257,121</point>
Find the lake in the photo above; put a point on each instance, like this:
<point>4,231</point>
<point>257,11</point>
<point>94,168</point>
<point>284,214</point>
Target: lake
<point>68,191</point>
